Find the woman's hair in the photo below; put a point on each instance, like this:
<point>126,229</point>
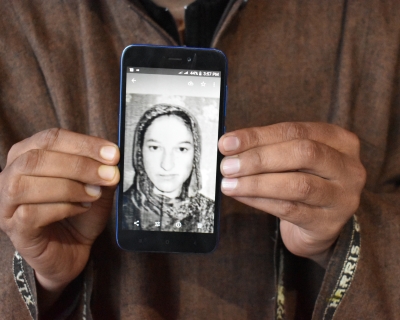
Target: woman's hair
<point>142,183</point>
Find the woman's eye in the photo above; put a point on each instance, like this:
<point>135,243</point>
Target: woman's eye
<point>153,148</point>
<point>182,149</point>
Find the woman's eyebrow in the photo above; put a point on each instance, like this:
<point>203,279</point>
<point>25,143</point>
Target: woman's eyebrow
<point>154,140</point>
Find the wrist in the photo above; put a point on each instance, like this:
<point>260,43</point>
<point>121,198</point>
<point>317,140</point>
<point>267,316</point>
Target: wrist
<point>56,299</point>
<point>304,245</point>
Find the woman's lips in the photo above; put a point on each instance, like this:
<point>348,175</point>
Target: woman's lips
<point>167,176</point>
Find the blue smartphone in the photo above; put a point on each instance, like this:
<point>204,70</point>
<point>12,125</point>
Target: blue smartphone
<point>171,116</point>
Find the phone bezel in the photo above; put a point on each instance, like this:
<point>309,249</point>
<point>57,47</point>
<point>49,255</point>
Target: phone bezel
<point>149,56</point>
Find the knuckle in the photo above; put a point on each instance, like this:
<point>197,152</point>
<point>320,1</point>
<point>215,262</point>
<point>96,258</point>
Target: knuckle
<point>24,216</point>
<point>260,159</point>
<point>13,190</point>
<point>353,143</point>
<point>307,151</point>
<point>289,209</point>
<point>254,137</point>
<point>255,186</point>
<point>80,166</point>
<point>84,145</point>
<point>29,161</point>
<point>348,200</point>
<point>48,138</point>
<point>353,139</point>
<point>356,175</point>
<point>348,138</point>
<point>21,220</point>
<point>294,130</point>
<point>361,176</point>
<point>302,187</point>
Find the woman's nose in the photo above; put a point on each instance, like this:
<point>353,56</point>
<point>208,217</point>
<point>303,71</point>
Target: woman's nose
<point>167,161</point>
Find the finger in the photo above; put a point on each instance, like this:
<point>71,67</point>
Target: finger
<point>93,222</point>
<point>85,220</point>
<point>43,163</point>
<point>34,216</point>
<point>291,186</point>
<point>65,141</point>
<point>334,136</point>
<point>294,155</point>
<point>298,213</point>
<point>35,190</point>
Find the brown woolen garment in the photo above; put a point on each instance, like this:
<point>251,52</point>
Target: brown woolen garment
<point>333,62</point>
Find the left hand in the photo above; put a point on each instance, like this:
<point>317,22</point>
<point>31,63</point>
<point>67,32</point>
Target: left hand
<point>307,174</point>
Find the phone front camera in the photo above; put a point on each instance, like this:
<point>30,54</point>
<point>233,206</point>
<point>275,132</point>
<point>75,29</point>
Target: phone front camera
<point>189,59</point>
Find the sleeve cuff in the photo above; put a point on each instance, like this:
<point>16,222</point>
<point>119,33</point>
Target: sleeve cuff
<point>336,280</point>
<point>24,286</point>
<point>73,303</point>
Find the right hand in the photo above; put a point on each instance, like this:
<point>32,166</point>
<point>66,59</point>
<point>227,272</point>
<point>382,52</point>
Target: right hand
<point>56,194</point>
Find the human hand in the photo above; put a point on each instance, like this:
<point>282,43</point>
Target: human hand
<point>307,174</point>
<point>56,194</point>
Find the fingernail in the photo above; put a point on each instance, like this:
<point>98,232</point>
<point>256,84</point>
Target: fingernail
<point>108,152</point>
<point>86,204</point>
<point>231,143</point>
<point>231,165</point>
<point>229,184</point>
<point>92,190</point>
<point>106,172</point>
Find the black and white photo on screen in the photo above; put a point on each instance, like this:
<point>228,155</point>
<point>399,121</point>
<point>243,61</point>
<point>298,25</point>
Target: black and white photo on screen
<point>170,159</point>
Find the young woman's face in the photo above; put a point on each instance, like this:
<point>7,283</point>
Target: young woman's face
<point>168,152</point>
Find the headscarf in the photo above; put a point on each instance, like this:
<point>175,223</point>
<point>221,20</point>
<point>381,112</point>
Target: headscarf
<point>144,195</point>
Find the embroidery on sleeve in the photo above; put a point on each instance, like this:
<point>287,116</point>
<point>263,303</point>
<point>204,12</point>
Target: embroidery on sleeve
<point>347,272</point>
<point>84,301</point>
<point>280,299</point>
<point>22,284</point>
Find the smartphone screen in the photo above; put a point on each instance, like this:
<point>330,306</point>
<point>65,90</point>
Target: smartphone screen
<point>170,122</point>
